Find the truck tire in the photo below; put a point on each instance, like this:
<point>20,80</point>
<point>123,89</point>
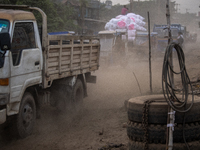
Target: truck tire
<point>64,97</point>
<point>133,145</point>
<point>67,98</point>
<point>157,133</point>
<point>25,119</point>
<point>77,96</point>
<point>158,111</point>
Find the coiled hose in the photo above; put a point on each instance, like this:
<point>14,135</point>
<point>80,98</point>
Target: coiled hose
<point>169,90</point>
<point>168,84</point>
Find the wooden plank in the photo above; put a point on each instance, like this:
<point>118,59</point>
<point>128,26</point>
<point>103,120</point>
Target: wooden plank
<point>71,62</point>
<point>75,72</point>
<point>69,53</point>
<point>81,61</point>
<point>78,60</point>
<point>70,58</point>
<point>52,54</point>
<point>70,45</point>
<point>70,37</point>
<point>90,55</point>
<point>55,59</point>
<point>60,55</point>
<point>51,72</point>
<point>67,57</point>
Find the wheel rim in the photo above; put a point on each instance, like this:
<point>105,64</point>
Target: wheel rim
<point>27,115</point>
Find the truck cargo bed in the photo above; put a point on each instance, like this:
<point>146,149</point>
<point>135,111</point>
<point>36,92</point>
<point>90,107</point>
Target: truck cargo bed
<point>70,55</point>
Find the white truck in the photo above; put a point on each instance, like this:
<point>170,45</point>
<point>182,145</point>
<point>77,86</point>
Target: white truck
<point>38,69</point>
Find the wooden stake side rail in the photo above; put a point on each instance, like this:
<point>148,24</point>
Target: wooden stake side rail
<point>69,56</point>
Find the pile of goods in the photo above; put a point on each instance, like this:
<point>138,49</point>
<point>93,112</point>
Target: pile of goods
<point>130,22</point>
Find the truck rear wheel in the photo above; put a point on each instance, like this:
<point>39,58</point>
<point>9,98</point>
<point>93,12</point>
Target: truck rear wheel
<point>67,98</point>
<point>25,119</point>
<point>77,96</point>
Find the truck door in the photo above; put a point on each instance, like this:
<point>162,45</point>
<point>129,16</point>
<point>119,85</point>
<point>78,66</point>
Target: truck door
<point>26,63</point>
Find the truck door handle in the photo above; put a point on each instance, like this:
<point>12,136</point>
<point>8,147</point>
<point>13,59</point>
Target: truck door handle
<point>37,63</point>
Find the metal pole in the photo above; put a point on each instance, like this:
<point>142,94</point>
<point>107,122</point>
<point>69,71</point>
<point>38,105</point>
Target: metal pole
<point>171,113</point>
<point>131,5</point>
<point>150,73</point>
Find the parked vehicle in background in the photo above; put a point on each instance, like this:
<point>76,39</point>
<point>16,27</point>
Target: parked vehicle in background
<point>41,69</point>
<point>162,35</point>
<point>141,43</point>
<point>116,49</point>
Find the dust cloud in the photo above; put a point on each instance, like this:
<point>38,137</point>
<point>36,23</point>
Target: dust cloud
<point>100,122</point>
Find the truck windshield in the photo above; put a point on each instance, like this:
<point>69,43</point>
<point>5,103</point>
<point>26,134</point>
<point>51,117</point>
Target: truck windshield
<point>163,33</point>
<point>4,27</point>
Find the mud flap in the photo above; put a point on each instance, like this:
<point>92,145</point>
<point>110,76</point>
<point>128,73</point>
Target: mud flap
<point>89,78</point>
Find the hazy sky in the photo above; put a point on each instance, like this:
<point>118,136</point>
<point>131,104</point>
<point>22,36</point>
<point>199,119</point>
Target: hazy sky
<point>191,5</point>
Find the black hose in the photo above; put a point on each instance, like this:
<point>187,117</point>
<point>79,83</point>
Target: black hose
<point>169,90</point>
<point>168,83</point>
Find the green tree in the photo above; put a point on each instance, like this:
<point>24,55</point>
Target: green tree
<point>58,15</point>
<point>83,5</point>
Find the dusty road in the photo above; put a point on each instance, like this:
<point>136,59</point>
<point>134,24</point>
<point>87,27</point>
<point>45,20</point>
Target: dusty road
<point>100,124</point>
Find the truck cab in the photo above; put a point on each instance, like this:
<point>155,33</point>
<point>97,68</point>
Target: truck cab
<point>38,69</point>
<point>21,65</point>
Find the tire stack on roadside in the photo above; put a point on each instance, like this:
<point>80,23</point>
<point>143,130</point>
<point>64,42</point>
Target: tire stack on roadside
<point>156,126</point>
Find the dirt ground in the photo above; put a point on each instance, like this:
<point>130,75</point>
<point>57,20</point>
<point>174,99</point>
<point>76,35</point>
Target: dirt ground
<point>101,124</point>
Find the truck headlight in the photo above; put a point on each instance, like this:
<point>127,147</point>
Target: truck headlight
<point>4,99</point>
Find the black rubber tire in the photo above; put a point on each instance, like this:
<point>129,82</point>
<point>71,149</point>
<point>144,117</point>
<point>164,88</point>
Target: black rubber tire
<point>66,98</point>
<point>25,119</point>
<point>157,133</point>
<point>132,145</point>
<point>158,110</point>
<point>77,96</point>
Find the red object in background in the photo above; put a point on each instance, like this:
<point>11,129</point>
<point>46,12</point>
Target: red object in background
<point>124,11</point>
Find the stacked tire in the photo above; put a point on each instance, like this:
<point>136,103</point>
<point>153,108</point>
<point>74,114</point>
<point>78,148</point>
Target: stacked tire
<point>157,124</point>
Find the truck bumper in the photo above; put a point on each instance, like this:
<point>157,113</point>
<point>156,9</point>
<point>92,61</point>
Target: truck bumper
<point>2,116</point>
<point>4,98</point>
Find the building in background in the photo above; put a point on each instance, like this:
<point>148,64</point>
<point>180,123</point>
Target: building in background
<point>89,22</point>
<point>108,4</point>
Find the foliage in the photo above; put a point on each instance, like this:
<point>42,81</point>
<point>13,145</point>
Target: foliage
<point>83,5</point>
<point>59,16</point>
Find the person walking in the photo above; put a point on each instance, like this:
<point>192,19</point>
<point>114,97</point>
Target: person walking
<point>180,39</point>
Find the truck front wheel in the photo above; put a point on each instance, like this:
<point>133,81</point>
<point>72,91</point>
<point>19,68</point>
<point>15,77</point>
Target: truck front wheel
<point>26,117</point>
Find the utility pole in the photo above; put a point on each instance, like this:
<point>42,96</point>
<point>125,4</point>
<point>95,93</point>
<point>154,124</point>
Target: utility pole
<point>131,5</point>
<point>171,113</point>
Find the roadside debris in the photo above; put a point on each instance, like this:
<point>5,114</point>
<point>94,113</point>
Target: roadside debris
<point>111,146</point>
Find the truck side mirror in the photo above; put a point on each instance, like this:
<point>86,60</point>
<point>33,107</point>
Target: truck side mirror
<point>5,41</point>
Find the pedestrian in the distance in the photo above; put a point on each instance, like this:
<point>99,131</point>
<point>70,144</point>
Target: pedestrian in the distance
<point>124,10</point>
<point>180,39</point>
